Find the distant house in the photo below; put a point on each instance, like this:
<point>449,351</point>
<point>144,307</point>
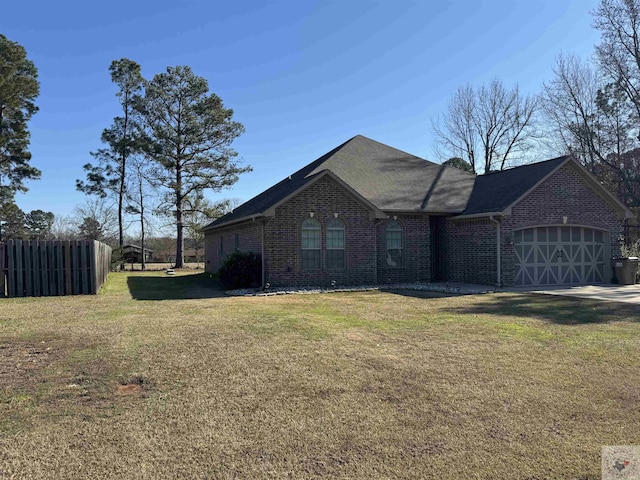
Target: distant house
<point>133,253</point>
<point>367,213</point>
<point>190,255</point>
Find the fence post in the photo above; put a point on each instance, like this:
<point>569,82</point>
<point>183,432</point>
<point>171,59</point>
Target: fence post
<point>44,271</point>
<point>84,266</point>
<point>66,253</point>
<point>93,258</point>
<point>59,256</point>
<point>19,268</point>
<point>11,269</point>
<point>35,268</point>
<point>3,292</point>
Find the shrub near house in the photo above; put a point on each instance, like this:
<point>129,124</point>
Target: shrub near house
<point>241,270</point>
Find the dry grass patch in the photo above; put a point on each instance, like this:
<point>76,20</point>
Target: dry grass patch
<point>352,385</point>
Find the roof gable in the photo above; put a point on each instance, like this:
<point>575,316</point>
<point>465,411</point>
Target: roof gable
<point>387,178</point>
<point>496,191</point>
<point>376,213</point>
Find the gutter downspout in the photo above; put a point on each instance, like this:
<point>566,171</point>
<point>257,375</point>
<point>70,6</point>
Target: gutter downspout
<point>262,254</point>
<point>376,222</point>
<point>498,248</point>
<point>375,250</point>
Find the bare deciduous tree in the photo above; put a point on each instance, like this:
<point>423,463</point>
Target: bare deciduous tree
<point>63,228</point>
<point>591,110</point>
<point>490,128</point>
<point>618,60</point>
<point>618,54</point>
<point>139,194</point>
<point>96,220</point>
<point>569,104</point>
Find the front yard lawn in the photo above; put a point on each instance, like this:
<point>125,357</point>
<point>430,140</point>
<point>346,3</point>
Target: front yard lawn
<point>162,377</point>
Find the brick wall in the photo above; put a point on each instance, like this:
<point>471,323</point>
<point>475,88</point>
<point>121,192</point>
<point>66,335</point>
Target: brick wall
<point>565,193</point>
<point>282,238</point>
<point>416,251</point>
<point>470,251</point>
<point>470,246</point>
<point>243,237</point>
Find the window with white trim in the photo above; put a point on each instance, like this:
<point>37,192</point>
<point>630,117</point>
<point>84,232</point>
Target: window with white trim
<point>311,244</point>
<point>335,243</point>
<point>394,239</point>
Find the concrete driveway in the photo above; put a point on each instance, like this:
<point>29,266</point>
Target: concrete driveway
<point>612,293</point>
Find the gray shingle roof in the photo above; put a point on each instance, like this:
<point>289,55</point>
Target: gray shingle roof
<point>396,181</point>
<point>389,178</point>
<point>495,191</point>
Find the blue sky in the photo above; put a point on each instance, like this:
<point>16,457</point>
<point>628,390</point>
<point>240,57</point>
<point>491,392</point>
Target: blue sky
<point>302,76</point>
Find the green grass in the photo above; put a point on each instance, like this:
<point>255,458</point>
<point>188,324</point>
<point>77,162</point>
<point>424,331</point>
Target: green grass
<point>164,377</point>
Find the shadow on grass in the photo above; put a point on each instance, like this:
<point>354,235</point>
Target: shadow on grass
<point>407,292</point>
<point>179,287</point>
<point>551,308</point>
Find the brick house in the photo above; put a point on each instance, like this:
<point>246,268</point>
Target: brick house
<point>367,213</point>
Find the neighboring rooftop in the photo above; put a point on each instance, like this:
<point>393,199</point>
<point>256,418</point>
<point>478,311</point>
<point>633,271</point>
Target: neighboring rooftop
<point>136,248</point>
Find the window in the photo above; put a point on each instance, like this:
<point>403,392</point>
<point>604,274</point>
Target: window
<point>310,242</point>
<point>237,242</point>
<point>335,244</point>
<point>394,241</point>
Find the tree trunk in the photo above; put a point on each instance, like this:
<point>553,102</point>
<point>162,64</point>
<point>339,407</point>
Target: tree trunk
<point>120,223</point>
<point>120,208</point>
<point>144,255</point>
<point>179,226</point>
<point>179,239</point>
<point>123,166</point>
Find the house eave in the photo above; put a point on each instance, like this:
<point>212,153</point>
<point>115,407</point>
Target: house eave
<point>473,216</point>
<point>420,211</point>
<point>248,218</point>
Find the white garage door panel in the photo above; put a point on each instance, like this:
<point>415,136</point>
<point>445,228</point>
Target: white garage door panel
<point>559,255</point>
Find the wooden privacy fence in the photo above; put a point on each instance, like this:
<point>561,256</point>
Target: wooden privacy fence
<point>32,268</point>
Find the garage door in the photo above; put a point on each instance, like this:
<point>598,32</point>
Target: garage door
<point>560,255</point>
